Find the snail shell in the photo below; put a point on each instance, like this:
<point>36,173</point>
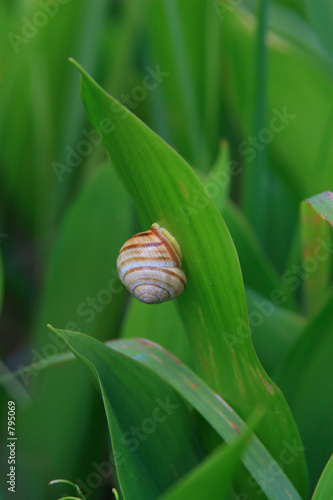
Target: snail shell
<point>149,264</point>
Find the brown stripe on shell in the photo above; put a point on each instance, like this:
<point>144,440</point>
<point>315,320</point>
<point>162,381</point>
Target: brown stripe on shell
<point>171,250</point>
<point>161,269</point>
<point>138,257</point>
<point>145,233</point>
<point>176,276</point>
<point>144,245</point>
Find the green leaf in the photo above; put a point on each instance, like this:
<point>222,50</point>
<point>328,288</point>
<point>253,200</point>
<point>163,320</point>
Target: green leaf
<point>75,486</point>
<point>324,488</point>
<point>206,480</point>
<point>146,419</point>
<point>165,189</point>
<point>306,378</point>
<point>209,404</point>
<point>323,205</point>
<point>316,254</point>
<point>212,407</point>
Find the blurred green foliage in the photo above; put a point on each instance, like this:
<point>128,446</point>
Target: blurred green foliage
<point>256,75</point>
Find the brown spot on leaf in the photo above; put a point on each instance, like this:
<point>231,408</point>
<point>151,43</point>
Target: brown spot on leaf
<point>183,189</point>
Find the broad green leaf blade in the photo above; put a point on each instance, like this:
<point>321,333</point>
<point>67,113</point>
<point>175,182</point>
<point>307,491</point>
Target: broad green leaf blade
<point>324,488</point>
<point>317,250</point>
<point>165,189</point>
<point>306,378</point>
<point>207,479</point>
<point>211,406</point>
<point>153,435</point>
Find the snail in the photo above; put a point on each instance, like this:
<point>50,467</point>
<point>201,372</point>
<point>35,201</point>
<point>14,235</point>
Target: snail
<point>149,265</point>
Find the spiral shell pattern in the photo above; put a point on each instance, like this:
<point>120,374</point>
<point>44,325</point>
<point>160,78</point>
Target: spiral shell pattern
<point>149,264</point>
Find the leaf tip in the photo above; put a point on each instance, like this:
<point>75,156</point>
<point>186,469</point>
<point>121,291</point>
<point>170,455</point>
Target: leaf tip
<point>53,330</point>
<point>77,65</point>
<point>73,61</point>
